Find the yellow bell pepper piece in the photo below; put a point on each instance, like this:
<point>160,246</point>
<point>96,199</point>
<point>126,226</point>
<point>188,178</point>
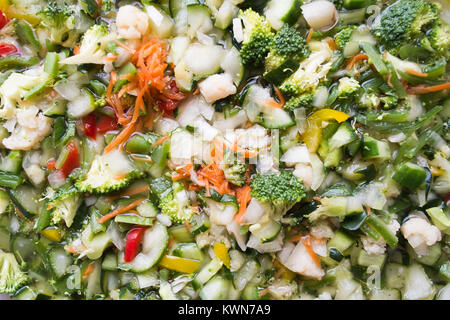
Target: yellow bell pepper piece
<point>52,233</point>
<point>313,133</point>
<point>221,252</point>
<point>179,264</point>
<point>26,10</point>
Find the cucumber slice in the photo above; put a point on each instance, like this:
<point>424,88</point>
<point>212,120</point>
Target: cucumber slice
<point>216,289</point>
<point>203,60</point>
<point>367,260</point>
<point>94,287</point>
<point>131,218</point>
<point>161,23</point>
<point>110,281</point>
<point>276,118</point>
<point>12,162</point>
<point>4,201</point>
<point>283,71</point>
<point>394,275</point>
<point>279,12</point>
<point>153,246</point>
<point>198,19</point>
<point>181,233</point>
<point>57,109</point>
<point>410,176</point>
<point>268,231</point>
<point>26,198</point>
<point>82,105</point>
<point>375,149</point>
<point>225,15</point>
<point>341,241</point>
<point>206,273</point>
<point>434,253</point>
<point>188,251</point>
<point>175,6</point>
<point>110,262</point>
<point>147,209</point>
<point>200,223</point>
<point>59,261</point>
<point>343,136</point>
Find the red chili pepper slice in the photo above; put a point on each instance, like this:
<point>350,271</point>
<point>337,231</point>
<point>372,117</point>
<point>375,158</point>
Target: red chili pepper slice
<point>134,239</point>
<point>106,124</point>
<point>90,125</point>
<point>72,161</point>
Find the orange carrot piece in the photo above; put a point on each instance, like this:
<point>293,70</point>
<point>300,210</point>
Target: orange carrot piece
<point>416,73</point>
<point>424,89</point>
<point>307,243</point>
<point>332,44</point>
<point>243,198</point>
<point>118,211</point>
<point>309,35</point>
<point>354,59</point>
<point>88,271</point>
<point>160,141</point>
<point>129,193</point>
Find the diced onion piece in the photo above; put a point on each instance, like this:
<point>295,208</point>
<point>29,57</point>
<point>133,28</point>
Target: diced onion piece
<point>320,15</point>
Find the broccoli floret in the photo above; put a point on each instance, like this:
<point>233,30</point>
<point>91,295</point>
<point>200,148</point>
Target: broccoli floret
<point>343,36</point>
<point>289,42</point>
<point>311,71</point>
<point>109,172</point>
<point>304,100</point>
<point>347,88</point>
<point>258,37</point>
<point>11,277</point>
<point>439,37</point>
<point>280,189</point>
<point>173,200</point>
<point>404,21</point>
<point>234,169</point>
<point>59,20</point>
<point>389,101</point>
<point>64,204</point>
<point>369,100</point>
<point>93,46</point>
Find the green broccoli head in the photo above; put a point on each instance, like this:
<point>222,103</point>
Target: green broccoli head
<point>389,101</point>
<point>258,37</point>
<point>11,276</point>
<point>108,173</point>
<point>343,36</point>
<point>234,169</point>
<point>280,189</point>
<point>347,88</point>
<point>439,37</point>
<point>289,42</point>
<point>173,199</point>
<point>404,21</point>
<point>59,19</point>
<point>302,101</point>
<point>64,204</point>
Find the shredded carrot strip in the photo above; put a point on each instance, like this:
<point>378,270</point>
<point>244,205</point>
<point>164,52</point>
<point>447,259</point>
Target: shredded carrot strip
<point>120,176</point>
<point>88,271</point>
<point>76,49</point>
<point>307,243</point>
<point>243,198</point>
<point>196,91</point>
<point>111,58</point>
<point>416,73</point>
<point>118,211</point>
<point>71,249</point>
<point>309,35</point>
<point>111,84</point>
<point>354,59</point>
<point>424,89</point>
<point>129,193</point>
<point>171,242</point>
<point>160,141</point>
<point>124,46</point>
<point>332,44</point>
<point>277,104</point>
<point>188,225</point>
<point>297,238</point>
